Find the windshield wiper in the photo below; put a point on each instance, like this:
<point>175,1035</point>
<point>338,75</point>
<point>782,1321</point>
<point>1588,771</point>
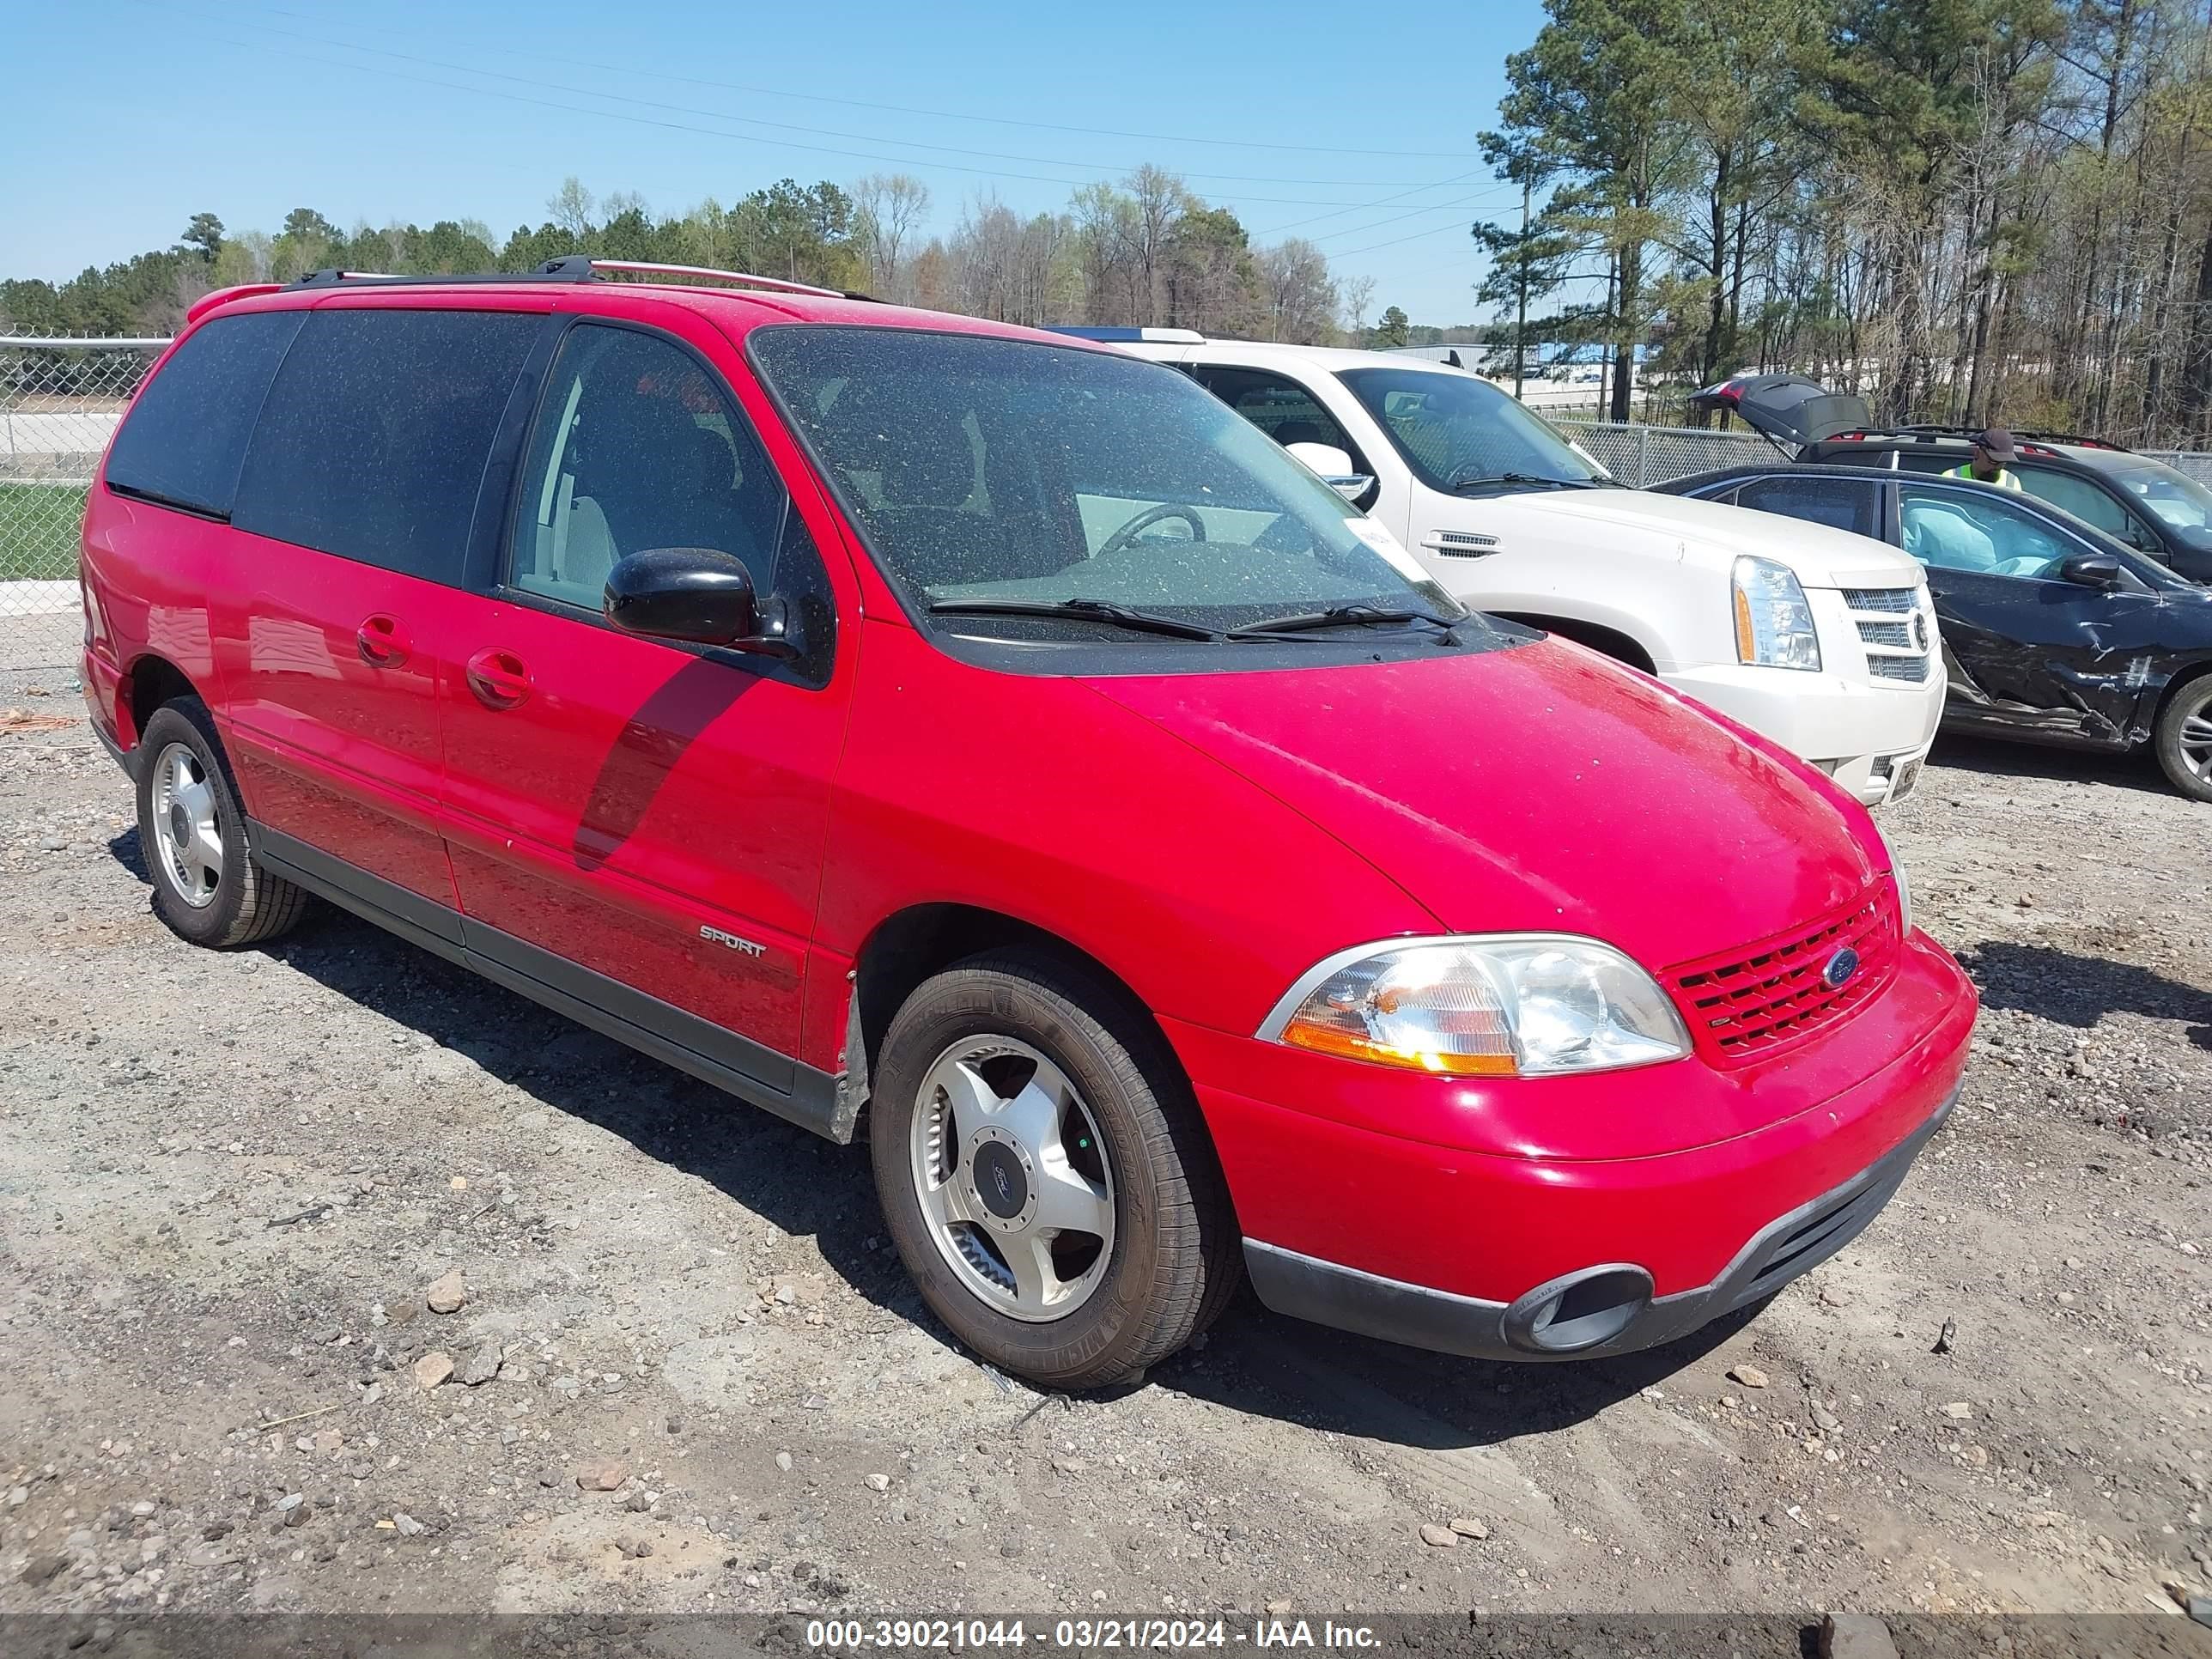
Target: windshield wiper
<point>1097,611</point>
<point>1337,615</point>
<point>1458,483</point>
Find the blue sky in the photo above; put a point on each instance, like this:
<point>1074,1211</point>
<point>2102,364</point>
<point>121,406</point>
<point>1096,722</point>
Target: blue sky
<point>1356,127</point>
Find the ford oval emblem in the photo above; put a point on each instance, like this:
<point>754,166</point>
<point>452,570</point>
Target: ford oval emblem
<point>1841,966</point>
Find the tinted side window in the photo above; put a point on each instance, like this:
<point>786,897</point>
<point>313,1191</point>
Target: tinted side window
<point>374,438</point>
<point>2087,502</point>
<point>1846,503</point>
<point>1281,408</point>
<point>1930,461</point>
<point>186,434</point>
<point>637,445</point>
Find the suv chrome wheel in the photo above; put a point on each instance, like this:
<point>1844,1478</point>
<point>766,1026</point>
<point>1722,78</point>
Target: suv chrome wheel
<point>1012,1177</point>
<point>187,836</point>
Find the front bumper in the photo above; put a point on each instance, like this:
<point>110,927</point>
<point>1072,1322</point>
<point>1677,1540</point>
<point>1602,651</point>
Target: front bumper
<point>1866,735</point>
<point>1604,1309</point>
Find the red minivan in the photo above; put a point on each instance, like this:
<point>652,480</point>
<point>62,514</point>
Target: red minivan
<point>992,743</point>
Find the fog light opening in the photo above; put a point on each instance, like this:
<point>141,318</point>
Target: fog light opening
<point>1579,1311</point>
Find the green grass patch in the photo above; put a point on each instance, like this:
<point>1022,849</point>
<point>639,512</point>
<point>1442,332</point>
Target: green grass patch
<point>38,527</point>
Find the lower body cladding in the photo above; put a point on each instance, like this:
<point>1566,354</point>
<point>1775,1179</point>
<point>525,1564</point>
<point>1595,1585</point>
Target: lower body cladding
<point>1604,1309</point>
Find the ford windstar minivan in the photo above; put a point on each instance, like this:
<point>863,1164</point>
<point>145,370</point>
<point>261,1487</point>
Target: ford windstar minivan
<point>992,744</point>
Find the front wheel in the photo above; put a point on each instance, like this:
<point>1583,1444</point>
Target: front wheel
<point>2184,739</point>
<point>1045,1174</point>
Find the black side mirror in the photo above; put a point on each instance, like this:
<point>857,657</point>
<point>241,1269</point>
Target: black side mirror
<point>698,594</point>
<point>2090,569</point>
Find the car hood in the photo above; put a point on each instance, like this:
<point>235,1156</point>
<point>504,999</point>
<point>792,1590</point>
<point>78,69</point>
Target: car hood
<point>1537,787</point>
<point>1682,528</point>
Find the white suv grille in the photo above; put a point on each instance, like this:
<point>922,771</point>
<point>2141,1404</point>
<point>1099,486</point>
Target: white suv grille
<point>1895,631</point>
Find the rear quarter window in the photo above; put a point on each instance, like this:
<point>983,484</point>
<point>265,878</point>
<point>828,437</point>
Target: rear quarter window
<point>185,435</point>
<point>1846,503</point>
<point>372,440</point>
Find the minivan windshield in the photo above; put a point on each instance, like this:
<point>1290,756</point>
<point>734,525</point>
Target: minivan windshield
<point>1463,435</point>
<point>1052,491</point>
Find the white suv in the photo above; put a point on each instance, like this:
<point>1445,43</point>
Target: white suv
<point>1823,640</point>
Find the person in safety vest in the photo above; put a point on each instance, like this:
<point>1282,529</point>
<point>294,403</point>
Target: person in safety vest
<point>1993,450</point>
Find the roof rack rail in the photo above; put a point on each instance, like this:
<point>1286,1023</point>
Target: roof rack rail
<point>569,268</point>
<point>777,284</point>
<point>575,268</point>
<point>1944,429</point>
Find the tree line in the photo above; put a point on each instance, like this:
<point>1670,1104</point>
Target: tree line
<point>1967,209</point>
<point>1145,251</point>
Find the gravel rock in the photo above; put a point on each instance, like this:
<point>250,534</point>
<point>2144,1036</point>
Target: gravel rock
<point>602,1475</point>
<point>1470,1525</point>
<point>1855,1636</point>
<point>40,1568</point>
<point>482,1366</point>
<point>447,1293</point>
<point>432,1368</point>
<point>1750,1376</point>
<point>1436,1537</point>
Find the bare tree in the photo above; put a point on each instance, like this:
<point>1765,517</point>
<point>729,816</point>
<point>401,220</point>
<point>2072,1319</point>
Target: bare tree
<point>889,209</point>
<point>1299,295</point>
<point>1355,294</point>
<point>572,207</point>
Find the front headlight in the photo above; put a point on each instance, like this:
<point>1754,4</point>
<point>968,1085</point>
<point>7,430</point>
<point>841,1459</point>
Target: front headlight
<point>1773,623</point>
<point>1506,1004</point>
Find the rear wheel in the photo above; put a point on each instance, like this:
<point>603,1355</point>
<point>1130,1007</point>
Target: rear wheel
<point>2184,739</point>
<point>1045,1174</point>
<point>193,833</point>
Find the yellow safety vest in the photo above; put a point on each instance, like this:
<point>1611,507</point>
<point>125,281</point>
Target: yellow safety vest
<point>2004,480</point>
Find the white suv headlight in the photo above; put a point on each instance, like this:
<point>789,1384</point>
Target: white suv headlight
<point>1773,623</point>
<point>1504,1005</point>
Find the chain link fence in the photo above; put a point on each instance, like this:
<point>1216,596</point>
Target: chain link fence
<point>1640,455</point>
<point>60,402</point>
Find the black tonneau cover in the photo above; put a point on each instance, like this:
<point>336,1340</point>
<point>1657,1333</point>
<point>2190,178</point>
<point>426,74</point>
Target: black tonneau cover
<point>1789,408</point>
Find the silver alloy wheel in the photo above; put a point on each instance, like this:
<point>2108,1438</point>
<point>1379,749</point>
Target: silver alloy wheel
<point>2197,745</point>
<point>1012,1173</point>
<point>187,839</point>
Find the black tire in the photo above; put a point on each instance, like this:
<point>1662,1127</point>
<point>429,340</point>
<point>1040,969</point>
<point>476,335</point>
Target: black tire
<point>2191,706</point>
<point>1174,1261</point>
<point>243,904</point>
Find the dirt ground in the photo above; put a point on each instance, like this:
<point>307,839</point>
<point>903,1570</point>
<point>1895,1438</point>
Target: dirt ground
<point>229,1183</point>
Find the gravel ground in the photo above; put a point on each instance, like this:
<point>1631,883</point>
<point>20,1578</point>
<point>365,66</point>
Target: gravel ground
<point>682,1368</point>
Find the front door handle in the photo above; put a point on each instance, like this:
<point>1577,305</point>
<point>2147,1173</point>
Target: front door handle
<point>500,678</point>
<point>382,642</point>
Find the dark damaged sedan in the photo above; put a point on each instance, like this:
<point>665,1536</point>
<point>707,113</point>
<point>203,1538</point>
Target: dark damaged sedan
<point>2053,632</point>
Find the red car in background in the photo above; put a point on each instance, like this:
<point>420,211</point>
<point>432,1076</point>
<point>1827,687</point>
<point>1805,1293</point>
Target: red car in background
<point>992,743</point>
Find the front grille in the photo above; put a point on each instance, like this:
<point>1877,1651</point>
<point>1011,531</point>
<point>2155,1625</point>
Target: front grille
<point>1741,1004</point>
<point>1887,633</point>
<point>1894,632</point>
<point>1896,601</point>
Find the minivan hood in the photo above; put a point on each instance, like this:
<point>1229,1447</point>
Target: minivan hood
<point>1537,787</point>
<point>1683,528</point>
